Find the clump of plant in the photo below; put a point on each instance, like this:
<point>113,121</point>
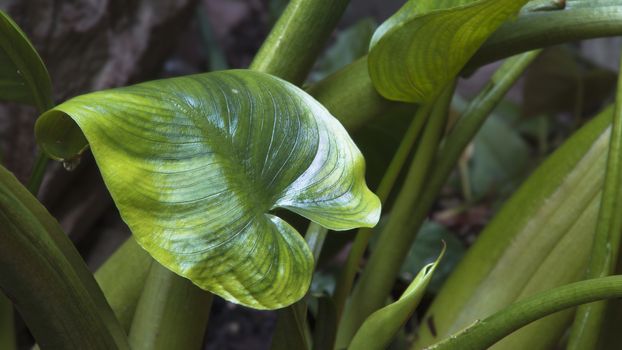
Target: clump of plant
<point>200,167</point>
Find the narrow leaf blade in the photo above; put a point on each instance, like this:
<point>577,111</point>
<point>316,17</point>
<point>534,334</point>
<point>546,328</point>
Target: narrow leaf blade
<point>23,76</point>
<point>380,327</point>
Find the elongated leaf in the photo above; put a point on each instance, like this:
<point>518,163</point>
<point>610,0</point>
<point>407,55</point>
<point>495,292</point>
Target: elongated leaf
<point>122,278</point>
<point>46,279</point>
<point>291,328</point>
<point>195,165</point>
<point>325,331</point>
<point>380,327</point>
<point>23,76</point>
<point>421,48</point>
<point>546,229</point>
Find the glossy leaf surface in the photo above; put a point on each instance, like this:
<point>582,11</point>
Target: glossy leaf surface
<point>380,327</point>
<point>23,76</point>
<point>423,46</point>
<point>196,164</point>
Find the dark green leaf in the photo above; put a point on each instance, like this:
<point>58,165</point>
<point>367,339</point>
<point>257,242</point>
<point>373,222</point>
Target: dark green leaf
<point>350,45</point>
<point>291,328</point>
<point>23,76</point>
<point>425,249</point>
<point>500,158</point>
<point>196,164</point>
<point>325,330</point>
<point>47,280</point>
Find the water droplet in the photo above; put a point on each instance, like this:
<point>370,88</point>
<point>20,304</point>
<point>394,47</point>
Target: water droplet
<point>71,164</point>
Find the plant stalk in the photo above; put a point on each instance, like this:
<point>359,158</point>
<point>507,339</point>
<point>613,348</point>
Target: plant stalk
<point>38,171</point>
<point>351,267</point>
<point>588,319</point>
<point>47,280</point>
<point>379,275</point>
<point>483,334</point>
<point>172,313</point>
<point>350,95</point>
<point>7,325</point>
<point>315,236</point>
<point>298,37</point>
<point>122,278</point>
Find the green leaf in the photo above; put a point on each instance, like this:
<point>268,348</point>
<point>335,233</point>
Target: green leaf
<point>546,228</point>
<point>291,331</point>
<point>122,279</point>
<point>196,164</point>
<point>325,331</point>
<point>500,158</point>
<point>23,76</point>
<point>380,327</point>
<point>47,280</point>
<point>411,59</point>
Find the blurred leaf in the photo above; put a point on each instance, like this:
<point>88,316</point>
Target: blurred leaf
<point>291,328</point>
<point>197,164</point>
<point>380,327</point>
<point>377,140</point>
<point>23,76</point>
<point>276,8</point>
<point>350,45</point>
<point>539,240</point>
<point>324,281</point>
<point>500,158</point>
<point>557,82</point>
<point>424,251</point>
<point>325,324</point>
<point>215,55</point>
<point>411,60</point>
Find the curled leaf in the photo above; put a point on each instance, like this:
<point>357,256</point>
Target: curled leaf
<point>197,164</point>
<point>421,48</point>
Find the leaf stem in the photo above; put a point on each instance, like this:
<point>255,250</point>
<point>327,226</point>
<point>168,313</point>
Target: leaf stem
<point>7,326</point>
<point>461,134</point>
<point>315,236</point>
<point>483,334</point>
<point>122,279</point>
<point>348,273</point>
<point>379,275</point>
<point>298,37</point>
<point>588,319</point>
<point>36,177</point>
<point>350,96</point>
<point>172,313</point>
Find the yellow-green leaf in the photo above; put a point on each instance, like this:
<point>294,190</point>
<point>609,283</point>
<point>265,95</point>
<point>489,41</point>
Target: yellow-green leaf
<point>197,164</point>
<point>380,327</point>
<point>421,48</point>
<point>539,240</point>
<point>23,76</point>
